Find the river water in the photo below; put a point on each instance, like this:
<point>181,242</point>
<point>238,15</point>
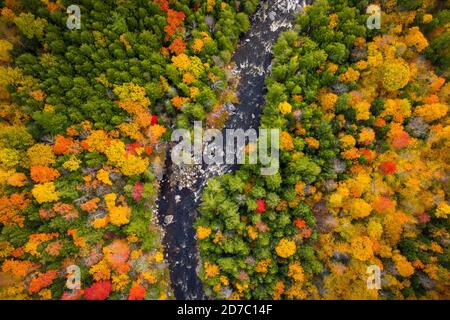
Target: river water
<point>181,187</point>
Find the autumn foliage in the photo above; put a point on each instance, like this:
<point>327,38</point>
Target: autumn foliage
<point>364,159</point>
<point>85,118</point>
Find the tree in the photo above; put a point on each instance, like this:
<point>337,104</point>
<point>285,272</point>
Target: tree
<point>30,26</point>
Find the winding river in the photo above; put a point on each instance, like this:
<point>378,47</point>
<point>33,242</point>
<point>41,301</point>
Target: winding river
<point>181,187</point>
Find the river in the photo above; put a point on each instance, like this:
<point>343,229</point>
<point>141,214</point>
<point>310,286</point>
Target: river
<point>181,187</point>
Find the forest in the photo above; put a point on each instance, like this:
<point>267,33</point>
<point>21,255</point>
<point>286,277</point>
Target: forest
<point>86,117</point>
<point>364,163</point>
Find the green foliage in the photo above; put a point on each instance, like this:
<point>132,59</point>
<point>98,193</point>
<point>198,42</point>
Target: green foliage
<point>30,26</point>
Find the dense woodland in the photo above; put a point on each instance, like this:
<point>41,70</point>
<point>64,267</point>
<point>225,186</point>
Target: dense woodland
<point>85,116</point>
<point>364,164</point>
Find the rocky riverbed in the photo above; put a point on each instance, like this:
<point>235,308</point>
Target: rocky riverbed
<point>181,186</point>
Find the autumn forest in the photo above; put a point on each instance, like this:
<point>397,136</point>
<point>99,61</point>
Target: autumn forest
<point>91,92</point>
